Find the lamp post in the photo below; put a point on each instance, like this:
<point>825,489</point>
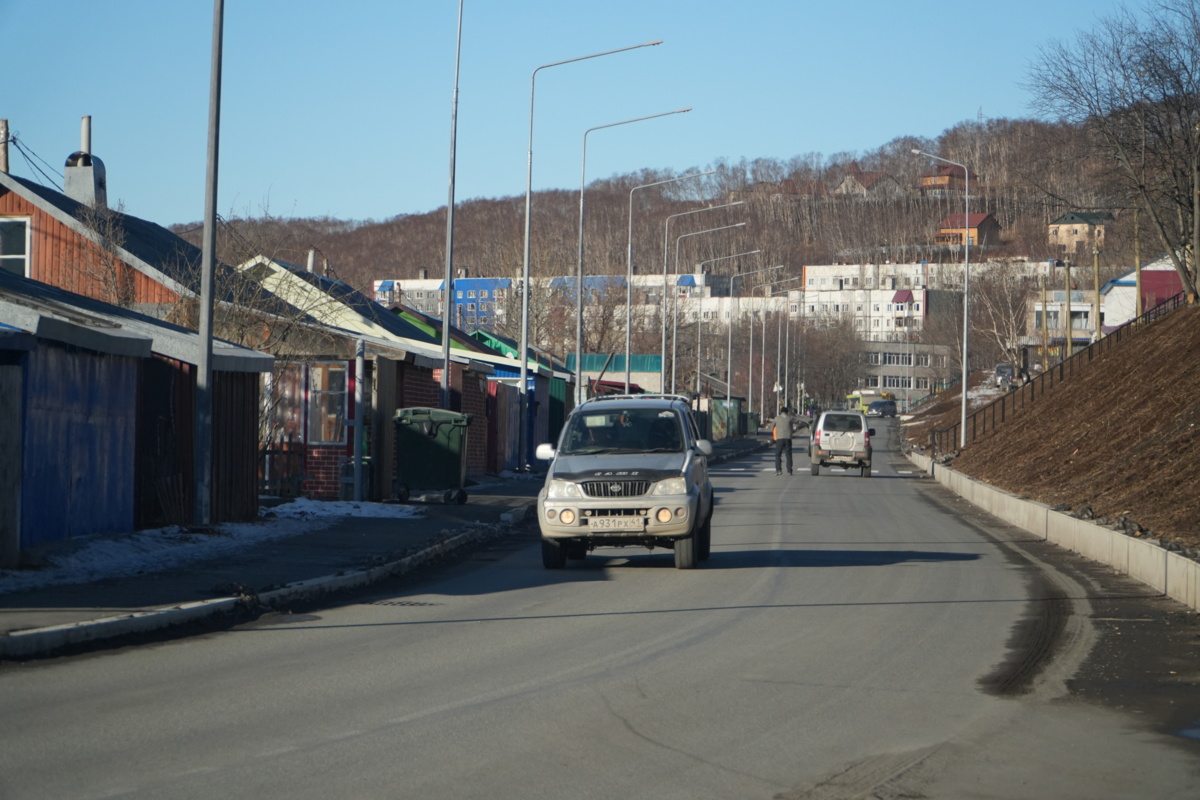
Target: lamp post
<point>729,348</point>
<point>674,338</point>
<point>962,443</point>
<point>666,234</point>
<point>444,386</point>
<point>629,271</point>
<point>699,319</point>
<point>523,356</point>
<point>579,267</point>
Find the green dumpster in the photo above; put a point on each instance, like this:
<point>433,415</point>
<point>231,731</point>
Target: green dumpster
<point>431,453</point>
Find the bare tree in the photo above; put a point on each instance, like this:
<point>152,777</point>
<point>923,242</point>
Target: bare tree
<point>1134,85</point>
<point>97,267</point>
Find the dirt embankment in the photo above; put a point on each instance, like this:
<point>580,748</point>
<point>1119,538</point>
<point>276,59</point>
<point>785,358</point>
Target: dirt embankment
<point>1118,441</point>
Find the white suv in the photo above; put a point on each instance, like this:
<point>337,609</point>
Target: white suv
<point>841,439</point>
<point>629,471</point>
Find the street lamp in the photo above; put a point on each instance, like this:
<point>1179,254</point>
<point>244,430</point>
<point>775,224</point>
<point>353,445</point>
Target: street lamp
<point>674,337</point>
<point>579,268</point>
<point>699,319</point>
<point>962,443</point>
<point>629,272</point>
<point>662,380</point>
<point>749,368</point>
<point>523,356</point>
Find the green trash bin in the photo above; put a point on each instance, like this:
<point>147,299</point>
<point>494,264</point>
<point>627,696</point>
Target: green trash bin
<point>431,453</point>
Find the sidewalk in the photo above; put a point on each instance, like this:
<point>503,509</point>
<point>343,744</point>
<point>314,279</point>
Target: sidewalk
<point>348,552</point>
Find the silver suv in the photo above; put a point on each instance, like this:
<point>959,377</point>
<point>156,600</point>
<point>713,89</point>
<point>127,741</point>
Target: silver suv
<point>841,439</point>
<point>629,471</point>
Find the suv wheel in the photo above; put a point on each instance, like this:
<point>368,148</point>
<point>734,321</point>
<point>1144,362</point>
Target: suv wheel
<point>685,552</point>
<point>554,555</point>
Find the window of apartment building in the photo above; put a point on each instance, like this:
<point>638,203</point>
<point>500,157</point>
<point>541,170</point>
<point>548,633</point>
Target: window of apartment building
<point>460,294</point>
<point>1051,319</point>
<point>875,323</point>
<point>471,294</point>
<point>870,281</point>
<point>858,324</point>
<point>897,382</point>
<point>872,358</point>
<point>483,293</point>
<point>14,245</point>
<point>824,307</point>
<point>471,321</point>
<point>327,384</point>
<point>922,383</point>
<point>939,362</point>
<point>794,308</point>
<point>470,306</point>
<point>922,359</point>
<point>812,281</point>
<point>872,381</point>
<point>854,281</point>
<point>876,306</point>
<point>498,294</point>
<point>812,309</point>
<point>859,308</point>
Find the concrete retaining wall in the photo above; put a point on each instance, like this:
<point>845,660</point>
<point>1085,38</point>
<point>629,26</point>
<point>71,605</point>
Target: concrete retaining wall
<point>1171,574</point>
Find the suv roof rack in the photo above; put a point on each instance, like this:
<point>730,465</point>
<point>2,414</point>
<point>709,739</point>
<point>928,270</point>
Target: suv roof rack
<point>606,397</point>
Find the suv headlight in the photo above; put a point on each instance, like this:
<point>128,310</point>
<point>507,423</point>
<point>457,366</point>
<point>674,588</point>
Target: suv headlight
<point>670,486</point>
<point>558,490</point>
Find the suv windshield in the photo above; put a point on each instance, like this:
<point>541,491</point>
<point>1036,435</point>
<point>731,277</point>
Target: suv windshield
<point>623,430</point>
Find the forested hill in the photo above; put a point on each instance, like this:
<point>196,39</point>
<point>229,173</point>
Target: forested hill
<point>1025,173</point>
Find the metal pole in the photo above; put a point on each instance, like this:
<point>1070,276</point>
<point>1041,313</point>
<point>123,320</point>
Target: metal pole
<point>203,429</point>
<point>523,355</point>
<point>629,265</point>
<point>360,370</point>
<point>666,242</point>
<point>966,285</point>
<point>444,385</point>
<point>677,241</point>
<point>579,265</point>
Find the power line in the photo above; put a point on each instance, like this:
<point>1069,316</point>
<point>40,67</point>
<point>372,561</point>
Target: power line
<point>29,155</point>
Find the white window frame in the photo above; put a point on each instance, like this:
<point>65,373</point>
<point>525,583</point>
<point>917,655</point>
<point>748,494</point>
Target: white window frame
<point>7,259</point>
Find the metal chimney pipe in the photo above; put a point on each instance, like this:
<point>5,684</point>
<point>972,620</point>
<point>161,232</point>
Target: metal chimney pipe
<point>312,258</point>
<point>85,135</point>
<point>3,145</point>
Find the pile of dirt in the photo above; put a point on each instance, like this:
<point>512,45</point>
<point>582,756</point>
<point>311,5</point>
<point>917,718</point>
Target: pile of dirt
<point>1117,442</point>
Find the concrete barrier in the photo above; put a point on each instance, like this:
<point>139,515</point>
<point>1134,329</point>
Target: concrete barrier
<point>1167,573</point>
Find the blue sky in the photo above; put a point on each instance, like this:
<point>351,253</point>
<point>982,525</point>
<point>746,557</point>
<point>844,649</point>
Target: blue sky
<point>343,109</point>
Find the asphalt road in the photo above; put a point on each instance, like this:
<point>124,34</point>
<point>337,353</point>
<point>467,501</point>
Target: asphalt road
<point>849,637</point>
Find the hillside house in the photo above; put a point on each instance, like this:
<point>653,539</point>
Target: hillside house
<point>858,183</point>
<point>979,229</point>
<point>946,180</point>
<point>1078,232</point>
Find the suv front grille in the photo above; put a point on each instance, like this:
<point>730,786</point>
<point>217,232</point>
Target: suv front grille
<point>615,488</point>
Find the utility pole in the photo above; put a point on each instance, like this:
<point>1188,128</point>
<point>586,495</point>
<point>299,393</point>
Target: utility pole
<point>1070,345</point>
<point>1096,279</point>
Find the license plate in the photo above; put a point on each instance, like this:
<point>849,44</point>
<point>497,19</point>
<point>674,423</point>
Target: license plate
<point>616,524</point>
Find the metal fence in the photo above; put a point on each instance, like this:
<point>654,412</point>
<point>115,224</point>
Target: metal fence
<point>988,418</point>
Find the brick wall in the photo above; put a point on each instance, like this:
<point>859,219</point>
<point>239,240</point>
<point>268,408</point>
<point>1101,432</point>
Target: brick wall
<point>323,465</point>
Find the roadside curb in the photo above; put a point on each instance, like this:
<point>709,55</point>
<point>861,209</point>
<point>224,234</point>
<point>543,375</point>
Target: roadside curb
<point>37,642</point>
<point>1170,574</point>
<point>40,642</point>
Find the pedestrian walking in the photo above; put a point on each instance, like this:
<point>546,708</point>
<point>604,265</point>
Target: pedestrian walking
<point>782,431</point>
